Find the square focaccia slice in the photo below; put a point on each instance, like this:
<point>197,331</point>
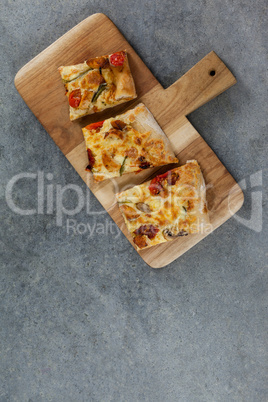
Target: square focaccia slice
<point>127,143</point>
<point>98,84</point>
<point>168,206</point>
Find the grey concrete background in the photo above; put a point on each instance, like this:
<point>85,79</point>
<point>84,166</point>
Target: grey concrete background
<point>83,318</point>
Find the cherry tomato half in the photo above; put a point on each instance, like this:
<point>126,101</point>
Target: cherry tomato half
<point>117,59</point>
<point>75,98</point>
<point>93,126</point>
<point>155,186</point>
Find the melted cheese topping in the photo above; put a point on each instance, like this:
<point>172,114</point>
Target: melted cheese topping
<point>101,87</point>
<point>69,73</point>
<point>178,209</point>
<point>118,147</point>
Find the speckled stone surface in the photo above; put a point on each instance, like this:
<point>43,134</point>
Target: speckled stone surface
<point>82,318</point>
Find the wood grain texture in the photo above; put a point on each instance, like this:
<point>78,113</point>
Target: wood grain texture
<point>42,90</point>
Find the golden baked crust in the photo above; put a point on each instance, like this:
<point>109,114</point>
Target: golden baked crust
<point>127,143</point>
<point>97,84</point>
<point>167,207</point>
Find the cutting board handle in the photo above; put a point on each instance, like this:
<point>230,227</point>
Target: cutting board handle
<point>203,82</point>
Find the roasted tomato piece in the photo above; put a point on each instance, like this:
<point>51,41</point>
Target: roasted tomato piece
<point>117,59</point>
<point>91,159</point>
<point>161,177</point>
<point>140,241</point>
<point>148,230</point>
<point>156,186</point>
<point>75,98</point>
<point>94,126</point>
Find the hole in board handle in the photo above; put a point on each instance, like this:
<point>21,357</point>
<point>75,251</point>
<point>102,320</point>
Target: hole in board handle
<point>212,73</point>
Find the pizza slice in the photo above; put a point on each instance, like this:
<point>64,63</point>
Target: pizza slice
<point>98,84</point>
<point>168,206</point>
<point>127,143</point>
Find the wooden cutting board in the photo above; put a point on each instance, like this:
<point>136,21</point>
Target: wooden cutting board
<point>39,84</point>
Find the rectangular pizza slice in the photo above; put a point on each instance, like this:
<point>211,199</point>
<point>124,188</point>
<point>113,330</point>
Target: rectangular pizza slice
<point>127,143</point>
<point>98,84</point>
<point>168,206</point>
